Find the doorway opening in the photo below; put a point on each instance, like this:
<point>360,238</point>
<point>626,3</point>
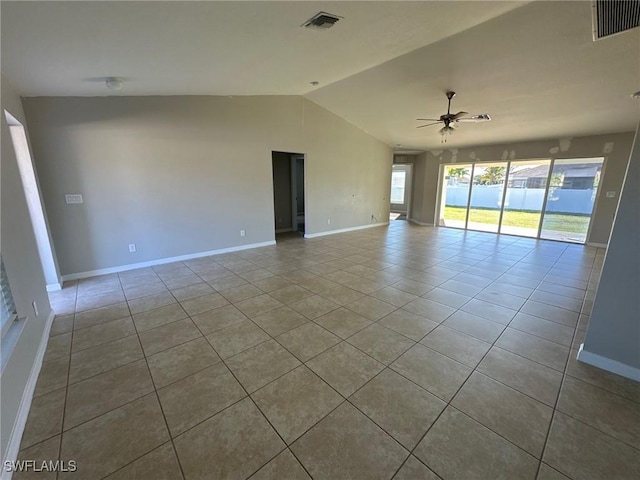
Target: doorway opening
<point>546,199</point>
<point>400,191</point>
<point>34,202</point>
<point>288,194</point>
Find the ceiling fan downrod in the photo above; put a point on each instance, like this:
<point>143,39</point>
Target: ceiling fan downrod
<point>450,95</point>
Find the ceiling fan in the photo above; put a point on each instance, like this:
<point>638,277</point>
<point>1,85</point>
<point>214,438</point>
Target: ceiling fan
<point>451,120</point>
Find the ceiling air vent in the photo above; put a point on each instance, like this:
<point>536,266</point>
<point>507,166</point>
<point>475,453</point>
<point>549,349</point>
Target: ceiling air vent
<point>322,21</point>
<point>614,16</point>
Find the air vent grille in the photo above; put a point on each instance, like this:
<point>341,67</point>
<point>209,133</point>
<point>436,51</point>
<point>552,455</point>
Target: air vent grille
<point>322,21</point>
<point>614,16</point>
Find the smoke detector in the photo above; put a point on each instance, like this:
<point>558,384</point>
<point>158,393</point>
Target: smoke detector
<point>322,21</point>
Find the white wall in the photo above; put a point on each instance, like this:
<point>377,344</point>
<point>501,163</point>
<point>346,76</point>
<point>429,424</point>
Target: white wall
<point>20,254</point>
<point>182,175</point>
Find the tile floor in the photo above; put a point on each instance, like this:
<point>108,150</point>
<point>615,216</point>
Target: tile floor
<point>403,352</point>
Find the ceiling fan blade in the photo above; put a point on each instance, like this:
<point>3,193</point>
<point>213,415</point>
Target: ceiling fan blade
<point>429,119</point>
<point>459,114</point>
<point>483,117</point>
<point>429,124</point>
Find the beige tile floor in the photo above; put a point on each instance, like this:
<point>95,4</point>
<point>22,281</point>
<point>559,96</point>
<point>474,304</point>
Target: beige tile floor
<point>403,352</point>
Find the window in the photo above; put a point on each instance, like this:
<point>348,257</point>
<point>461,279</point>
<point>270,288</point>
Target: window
<point>397,186</point>
<point>10,323</point>
<point>8,312</point>
<point>578,183</point>
<point>536,182</point>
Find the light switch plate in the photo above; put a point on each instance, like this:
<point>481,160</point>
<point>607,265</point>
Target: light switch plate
<point>74,198</point>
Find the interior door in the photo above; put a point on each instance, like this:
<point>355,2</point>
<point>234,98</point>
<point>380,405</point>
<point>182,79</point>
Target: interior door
<point>400,188</point>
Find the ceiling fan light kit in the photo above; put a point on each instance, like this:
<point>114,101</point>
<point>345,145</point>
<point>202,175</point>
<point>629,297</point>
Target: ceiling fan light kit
<point>451,120</point>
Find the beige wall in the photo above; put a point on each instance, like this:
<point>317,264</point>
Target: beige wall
<point>613,335</point>
<point>20,254</point>
<point>183,175</point>
<point>614,147</point>
<point>421,202</point>
<point>347,173</point>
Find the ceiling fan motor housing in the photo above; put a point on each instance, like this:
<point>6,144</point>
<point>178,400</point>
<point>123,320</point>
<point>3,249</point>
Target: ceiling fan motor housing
<point>450,120</point>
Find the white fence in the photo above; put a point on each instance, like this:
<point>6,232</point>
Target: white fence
<point>490,196</point>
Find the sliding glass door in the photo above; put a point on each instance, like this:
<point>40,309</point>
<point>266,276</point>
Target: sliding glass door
<point>572,195</point>
<point>454,200</point>
<point>525,196</point>
<point>487,195</point>
<point>549,199</point>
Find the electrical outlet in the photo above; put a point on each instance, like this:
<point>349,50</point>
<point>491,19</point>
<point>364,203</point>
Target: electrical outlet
<point>243,233</point>
<point>35,307</point>
<point>132,247</point>
<point>73,198</point>
<point>328,221</point>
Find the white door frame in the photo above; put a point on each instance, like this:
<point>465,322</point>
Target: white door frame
<point>294,191</point>
<point>33,197</point>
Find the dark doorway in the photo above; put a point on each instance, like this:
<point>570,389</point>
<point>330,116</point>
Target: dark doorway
<point>288,193</point>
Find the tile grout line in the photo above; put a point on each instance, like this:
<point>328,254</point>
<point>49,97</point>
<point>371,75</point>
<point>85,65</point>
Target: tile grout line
<point>66,393</point>
<point>448,404</point>
<point>248,395</point>
<point>555,405</point>
<point>556,410</point>
<point>157,397</point>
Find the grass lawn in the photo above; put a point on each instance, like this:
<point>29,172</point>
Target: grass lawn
<point>552,221</point>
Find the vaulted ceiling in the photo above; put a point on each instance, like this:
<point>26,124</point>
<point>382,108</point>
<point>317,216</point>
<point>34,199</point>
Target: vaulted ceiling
<point>532,66</point>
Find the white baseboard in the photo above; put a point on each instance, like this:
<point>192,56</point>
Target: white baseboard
<point>54,287</point>
<point>609,365</point>
<point>420,223</point>
<point>161,261</point>
<point>599,245</point>
<point>343,230</point>
<point>13,446</point>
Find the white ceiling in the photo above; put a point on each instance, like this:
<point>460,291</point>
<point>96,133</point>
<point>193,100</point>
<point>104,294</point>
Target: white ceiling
<point>534,68</point>
<point>214,48</point>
